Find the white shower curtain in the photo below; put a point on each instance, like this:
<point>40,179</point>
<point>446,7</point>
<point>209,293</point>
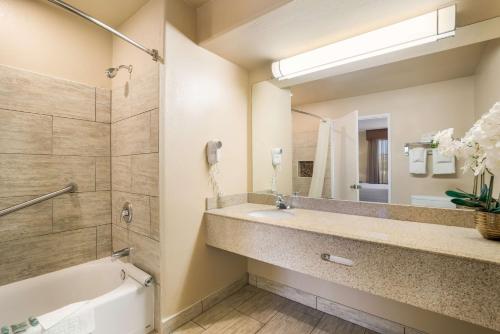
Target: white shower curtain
<point>320,160</point>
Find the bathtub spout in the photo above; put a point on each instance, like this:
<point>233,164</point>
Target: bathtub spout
<point>121,253</point>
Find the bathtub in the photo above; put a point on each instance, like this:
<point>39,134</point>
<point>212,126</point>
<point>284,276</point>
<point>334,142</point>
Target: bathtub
<point>121,304</point>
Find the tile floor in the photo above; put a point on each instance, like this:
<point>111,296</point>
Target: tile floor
<point>252,310</point>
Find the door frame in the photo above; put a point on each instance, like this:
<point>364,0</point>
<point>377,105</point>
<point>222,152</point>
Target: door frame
<point>387,116</point>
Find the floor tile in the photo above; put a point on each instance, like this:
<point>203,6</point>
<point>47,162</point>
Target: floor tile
<point>212,315</point>
<point>189,328</point>
<point>241,296</point>
<point>293,318</point>
<point>251,310</point>
<point>288,292</point>
<point>333,325</point>
<point>235,323</point>
<point>262,306</point>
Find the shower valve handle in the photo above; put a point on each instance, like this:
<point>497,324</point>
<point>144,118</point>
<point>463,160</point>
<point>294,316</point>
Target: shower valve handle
<point>127,213</point>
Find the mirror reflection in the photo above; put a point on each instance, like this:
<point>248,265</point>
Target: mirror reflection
<point>365,135</point>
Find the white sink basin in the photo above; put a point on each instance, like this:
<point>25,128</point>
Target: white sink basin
<point>272,213</point>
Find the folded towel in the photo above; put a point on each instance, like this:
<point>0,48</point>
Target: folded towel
<point>34,330</point>
<point>48,320</point>
<point>140,276</point>
<point>77,318</point>
<point>442,164</point>
<point>418,160</point>
<point>417,154</point>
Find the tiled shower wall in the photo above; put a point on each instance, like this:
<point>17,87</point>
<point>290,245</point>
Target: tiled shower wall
<point>135,168</point>
<point>52,132</point>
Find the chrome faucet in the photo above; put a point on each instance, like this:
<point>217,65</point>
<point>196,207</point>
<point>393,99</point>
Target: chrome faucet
<point>121,253</point>
<point>280,202</point>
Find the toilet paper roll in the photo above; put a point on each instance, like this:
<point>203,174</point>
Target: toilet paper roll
<point>137,274</point>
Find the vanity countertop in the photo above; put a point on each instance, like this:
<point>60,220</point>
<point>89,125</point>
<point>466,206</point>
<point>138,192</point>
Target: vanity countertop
<point>445,240</point>
<point>445,269</point>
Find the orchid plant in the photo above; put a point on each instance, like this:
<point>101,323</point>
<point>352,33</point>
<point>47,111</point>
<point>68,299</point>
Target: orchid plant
<point>480,151</point>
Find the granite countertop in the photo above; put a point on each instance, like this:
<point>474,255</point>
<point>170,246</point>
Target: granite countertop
<point>446,240</point>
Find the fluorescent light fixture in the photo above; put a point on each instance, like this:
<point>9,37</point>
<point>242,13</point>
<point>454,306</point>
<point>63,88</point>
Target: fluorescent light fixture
<point>419,30</point>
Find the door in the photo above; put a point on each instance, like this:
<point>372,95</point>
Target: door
<point>346,157</point>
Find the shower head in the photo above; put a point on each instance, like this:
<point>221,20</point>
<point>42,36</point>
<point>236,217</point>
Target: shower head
<point>113,71</point>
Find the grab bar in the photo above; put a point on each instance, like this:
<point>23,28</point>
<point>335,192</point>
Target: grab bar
<point>69,188</point>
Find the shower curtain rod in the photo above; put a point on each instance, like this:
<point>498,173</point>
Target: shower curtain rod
<point>152,52</point>
<point>309,114</point>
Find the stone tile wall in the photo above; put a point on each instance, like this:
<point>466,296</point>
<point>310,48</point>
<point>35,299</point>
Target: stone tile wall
<point>135,168</point>
<point>304,149</point>
<point>53,132</point>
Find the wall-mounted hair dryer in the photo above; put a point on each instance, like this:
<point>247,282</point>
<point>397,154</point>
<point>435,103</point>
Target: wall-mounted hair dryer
<point>213,151</point>
<point>213,158</point>
<point>276,156</point>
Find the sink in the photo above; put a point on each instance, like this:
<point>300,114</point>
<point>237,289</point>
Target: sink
<point>272,213</point>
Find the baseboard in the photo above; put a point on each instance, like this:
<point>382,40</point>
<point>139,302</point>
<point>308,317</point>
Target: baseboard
<point>189,313</point>
<point>361,318</point>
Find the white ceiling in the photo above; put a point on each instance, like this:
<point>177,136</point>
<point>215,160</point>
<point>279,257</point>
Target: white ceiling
<point>196,3</point>
<point>302,25</point>
<point>111,12</point>
<point>447,65</point>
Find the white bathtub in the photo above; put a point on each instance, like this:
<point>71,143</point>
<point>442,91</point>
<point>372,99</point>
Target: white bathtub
<point>122,306</point>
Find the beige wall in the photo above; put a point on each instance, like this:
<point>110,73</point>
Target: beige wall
<point>205,98</point>
<point>145,27</point>
<point>272,121</point>
<point>414,111</point>
<point>488,86</point>
<point>42,38</point>
<point>52,132</point>
<point>219,16</point>
<point>488,78</point>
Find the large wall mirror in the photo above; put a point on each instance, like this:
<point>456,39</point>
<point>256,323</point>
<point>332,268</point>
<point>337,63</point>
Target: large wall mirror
<point>362,132</point>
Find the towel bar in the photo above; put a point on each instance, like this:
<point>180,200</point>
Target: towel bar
<point>427,146</point>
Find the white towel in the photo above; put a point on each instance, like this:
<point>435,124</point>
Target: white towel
<point>418,160</point>
<point>140,276</point>
<point>442,164</point>
<point>77,318</point>
<point>34,330</point>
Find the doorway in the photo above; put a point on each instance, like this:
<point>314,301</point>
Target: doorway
<point>374,158</point>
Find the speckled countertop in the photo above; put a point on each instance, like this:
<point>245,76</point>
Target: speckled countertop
<point>446,240</point>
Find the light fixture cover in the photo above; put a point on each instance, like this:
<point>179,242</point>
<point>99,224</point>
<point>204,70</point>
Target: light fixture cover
<point>419,30</point>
